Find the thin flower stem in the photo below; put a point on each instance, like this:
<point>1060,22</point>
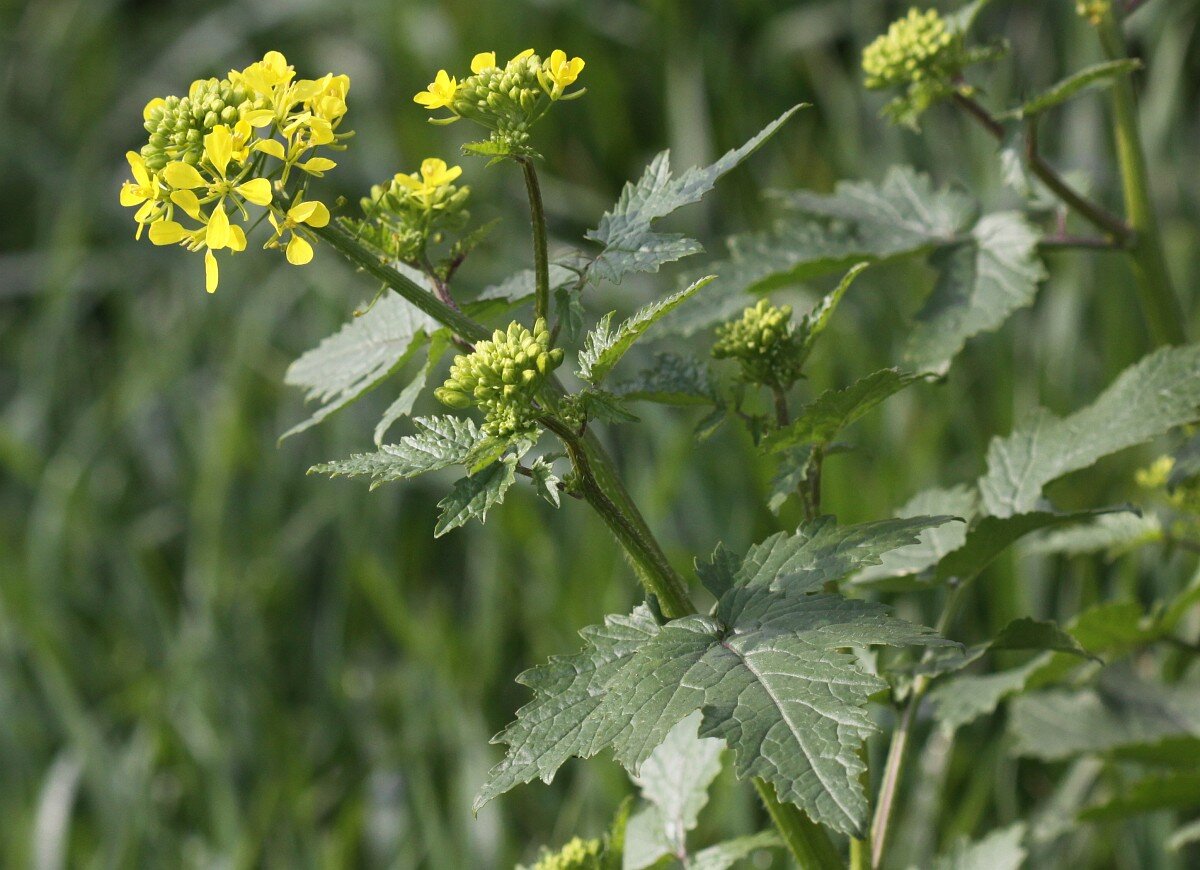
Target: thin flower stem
<point>1094,213</point>
<point>893,768</point>
<point>1063,241</point>
<point>541,262</point>
<point>1164,314</point>
<point>606,493</point>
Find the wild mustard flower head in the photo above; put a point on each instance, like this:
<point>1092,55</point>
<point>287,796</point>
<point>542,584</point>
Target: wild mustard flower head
<point>506,99</point>
<point>502,378</point>
<point>764,342</point>
<point>921,53</point>
<point>578,854</point>
<point>412,210</point>
<point>234,143</point>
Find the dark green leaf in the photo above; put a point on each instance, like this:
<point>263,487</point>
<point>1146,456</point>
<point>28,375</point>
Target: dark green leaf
<point>472,497</point>
<point>439,443</point>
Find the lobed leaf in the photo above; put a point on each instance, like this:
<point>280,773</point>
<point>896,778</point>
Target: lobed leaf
<point>473,496</point>
<point>1098,74</point>
<point>439,443</point>
<point>999,850</point>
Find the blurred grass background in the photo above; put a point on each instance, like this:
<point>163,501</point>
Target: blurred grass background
<point>209,659</point>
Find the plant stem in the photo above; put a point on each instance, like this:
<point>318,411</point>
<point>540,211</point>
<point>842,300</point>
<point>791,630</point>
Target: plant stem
<point>1094,213</point>
<point>1164,314</point>
<point>893,768</point>
<point>807,841</point>
<point>541,262</point>
<point>364,258</point>
<point>605,492</point>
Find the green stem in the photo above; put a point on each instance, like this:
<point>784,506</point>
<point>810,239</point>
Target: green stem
<point>606,493</point>
<point>364,258</point>
<point>807,841</point>
<point>1164,314</point>
<point>541,262</point>
<point>893,768</point>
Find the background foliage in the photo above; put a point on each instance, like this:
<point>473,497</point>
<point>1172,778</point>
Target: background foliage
<point>208,658</point>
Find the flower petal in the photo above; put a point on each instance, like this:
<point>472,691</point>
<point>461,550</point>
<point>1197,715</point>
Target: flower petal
<point>218,148</point>
<point>140,174</point>
<point>256,190</point>
<point>299,252</point>
<point>183,176</point>
<point>132,194</point>
<point>166,232</point>
<point>187,201</point>
<point>272,147</point>
<point>483,60</point>
<point>210,272</point>
<point>237,238</point>
<point>218,228</point>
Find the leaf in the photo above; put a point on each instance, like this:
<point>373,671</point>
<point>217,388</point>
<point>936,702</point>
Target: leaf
<point>1176,790</point>
<point>403,405</point>
<point>1184,836</point>
<point>522,285</point>
<point>992,535</point>
<point>473,496</point>
<point>1149,398</point>
<point>604,347</point>
<point>1028,633</point>
<point>771,676</point>
<point>358,357</point>
<point>819,552</point>
<point>1114,627</point>
<point>980,283</point>
<point>1186,466</point>
<point>545,482</point>
<point>794,467</point>
<point>560,721</point>
<point>999,850</point>
<point>822,419</point>
<point>675,780</point>
<point>725,855</point>
<point>962,699</point>
<point>439,443</point>
<point>1114,533</point>
<point>1120,713</point>
<point>604,406</point>
<point>630,245</point>
<point>934,543</point>
<point>1098,74</point>
<point>812,324</point>
<point>672,379</point>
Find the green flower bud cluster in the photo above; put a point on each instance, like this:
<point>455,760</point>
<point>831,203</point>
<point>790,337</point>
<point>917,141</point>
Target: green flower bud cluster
<point>403,220</point>
<point>502,378</point>
<point>178,125</point>
<point>763,340</point>
<point>578,854</point>
<point>503,99</point>
<point>915,47</point>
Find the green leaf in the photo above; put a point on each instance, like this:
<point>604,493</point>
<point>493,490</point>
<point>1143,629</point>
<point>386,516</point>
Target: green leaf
<point>675,780</point>
<point>992,535</point>
<point>1148,399</point>
<point>473,496</point>
<point>1088,77</point>
<point>819,552</point>
<point>358,357</point>
<point>1179,790</point>
<point>560,721</point>
<point>962,699</point>
<point>630,245</point>
<point>604,347</point>
<point>772,677</point>
<point>1121,713</point>
<point>604,406</point>
<point>812,324</point>
<point>545,482</point>
<point>439,443</point>
<point>402,407</point>
<point>1187,463</point>
<point>725,855</point>
<point>795,463</point>
<point>1114,627</point>
<point>522,285</point>
<point>980,283</point>
<point>820,421</point>
<point>915,560</point>
<point>1115,534</point>
<point>1028,633</point>
<point>672,379</point>
<point>999,850</point>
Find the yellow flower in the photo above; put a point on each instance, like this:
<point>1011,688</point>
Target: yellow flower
<point>434,174</point>
<point>145,190</point>
<point>560,72</point>
<point>483,60</point>
<point>266,75</point>
<point>524,54</point>
<point>298,251</point>
<point>441,91</point>
<point>168,232</point>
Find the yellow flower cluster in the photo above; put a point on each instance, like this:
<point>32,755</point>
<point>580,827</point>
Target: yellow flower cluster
<point>232,142</point>
<point>913,48</point>
<point>578,854</point>
<point>763,341</point>
<point>508,99</point>
<point>412,209</point>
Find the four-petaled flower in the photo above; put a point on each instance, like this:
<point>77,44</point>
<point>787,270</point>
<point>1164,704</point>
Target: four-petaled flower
<point>435,174</point>
<point>559,73</point>
<point>298,250</point>
<point>146,191</point>
<point>441,91</point>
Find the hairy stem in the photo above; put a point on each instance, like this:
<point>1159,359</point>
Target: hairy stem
<point>1094,213</point>
<point>893,768</point>
<point>541,261</point>
<point>1164,314</point>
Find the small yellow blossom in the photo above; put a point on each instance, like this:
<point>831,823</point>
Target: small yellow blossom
<point>560,73</point>
<point>483,60</point>
<point>434,175</point>
<point>298,250</point>
<point>145,191</point>
<point>441,91</point>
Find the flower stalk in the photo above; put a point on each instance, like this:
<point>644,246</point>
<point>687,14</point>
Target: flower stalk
<point>537,216</point>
